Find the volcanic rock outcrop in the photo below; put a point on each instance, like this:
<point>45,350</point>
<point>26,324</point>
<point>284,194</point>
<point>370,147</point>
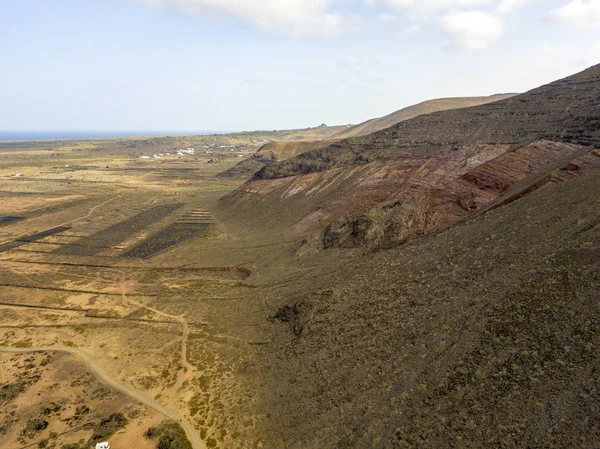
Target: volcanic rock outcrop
<point>421,175</point>
<point>482,335</point>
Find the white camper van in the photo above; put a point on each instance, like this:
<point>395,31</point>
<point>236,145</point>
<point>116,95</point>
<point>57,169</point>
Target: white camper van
<point>102,446</point>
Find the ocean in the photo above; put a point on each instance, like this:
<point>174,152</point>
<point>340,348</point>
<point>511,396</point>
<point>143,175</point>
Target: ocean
<point>50,135</point>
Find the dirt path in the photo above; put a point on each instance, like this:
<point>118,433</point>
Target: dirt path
<point>188,371</point>
<point>190,432</point>
<point>179,318</point>
<point>71,223</point>
<point>89,214</point>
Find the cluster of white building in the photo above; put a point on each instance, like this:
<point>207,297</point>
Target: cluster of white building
<point>191,152</point>
<point>183,152</point>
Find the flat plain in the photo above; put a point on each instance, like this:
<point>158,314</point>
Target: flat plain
<point>110,248</point>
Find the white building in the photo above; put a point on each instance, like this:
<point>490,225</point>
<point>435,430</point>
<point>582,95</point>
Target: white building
<point>103,445</point>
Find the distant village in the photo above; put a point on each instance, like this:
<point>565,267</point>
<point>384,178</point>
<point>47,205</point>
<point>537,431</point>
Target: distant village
<point>209,149</point>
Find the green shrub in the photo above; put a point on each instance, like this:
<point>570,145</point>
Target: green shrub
<point>107,427</point>
<point>11,391</point>
<point>171,436</point>
<point>34,426</point>
<point>51,408</point>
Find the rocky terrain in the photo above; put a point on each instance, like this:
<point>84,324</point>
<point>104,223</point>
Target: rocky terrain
<point>477,327</point>
<point>484,335</point>
<point>432,285</point>
<point>281,150</point>
<point>275,151</point>
<point>421,175</point>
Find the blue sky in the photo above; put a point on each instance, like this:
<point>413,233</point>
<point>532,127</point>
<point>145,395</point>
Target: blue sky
<point>266,64</point>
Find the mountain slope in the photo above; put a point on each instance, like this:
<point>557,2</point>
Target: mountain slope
<point>485,335</point>
<point>426,107</point>
<point>279,150</point>
<point>567,110</point>
<point>424,174</point>
<point>478,326</point>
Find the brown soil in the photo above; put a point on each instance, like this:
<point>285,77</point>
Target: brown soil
<point>477,327</point>
<point>59,392</point>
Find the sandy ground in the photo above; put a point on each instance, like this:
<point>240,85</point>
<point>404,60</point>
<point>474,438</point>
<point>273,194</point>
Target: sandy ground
<point>152,328</point>
<point>63,384</point>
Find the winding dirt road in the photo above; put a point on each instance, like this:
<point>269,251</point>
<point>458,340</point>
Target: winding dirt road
<point>190,432</point>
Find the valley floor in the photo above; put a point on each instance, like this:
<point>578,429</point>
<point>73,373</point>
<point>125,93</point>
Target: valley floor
<point>122,261</point>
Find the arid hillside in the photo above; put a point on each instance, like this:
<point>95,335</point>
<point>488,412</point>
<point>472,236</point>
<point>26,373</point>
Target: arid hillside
<point>567,110</point>
<point>421,175</point>
<point>433,285</point>
<point>275,151</point>
<point>485,335</point>
<point>322,132</point>
<point>426,107</point>
<point>296,142</point>
<point>478,325</point>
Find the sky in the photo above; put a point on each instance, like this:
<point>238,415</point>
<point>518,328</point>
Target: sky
<point>232,65</point>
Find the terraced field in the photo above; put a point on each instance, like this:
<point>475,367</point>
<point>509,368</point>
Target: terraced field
<point>173,235</point>
<point>117,233</point>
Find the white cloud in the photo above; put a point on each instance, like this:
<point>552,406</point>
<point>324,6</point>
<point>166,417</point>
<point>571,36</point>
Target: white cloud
<point>579,13</point>
<point>473,24</point>
<point>253,81</point>
<point>297,17</point>
<point>371,79</point>
<point>508,6</point>
<point>472,29</point>
<point>351,62</point>
<point>386,17</point>
<point>422,8</point>
<point>411,30</point>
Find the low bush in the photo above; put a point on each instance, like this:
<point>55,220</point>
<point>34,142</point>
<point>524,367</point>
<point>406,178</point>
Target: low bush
<point>107,427</point>
<point>170,436</point>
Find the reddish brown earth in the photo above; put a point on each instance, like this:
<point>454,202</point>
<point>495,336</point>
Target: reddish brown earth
<point>428,172</point>
<point>478,326</point>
